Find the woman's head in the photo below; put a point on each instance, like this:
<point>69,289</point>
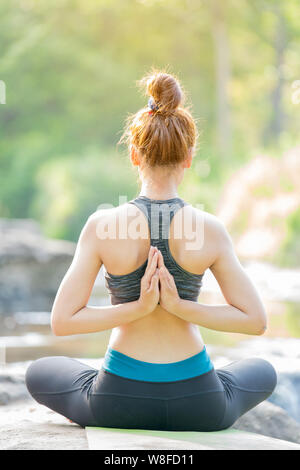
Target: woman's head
<point>162,134</point>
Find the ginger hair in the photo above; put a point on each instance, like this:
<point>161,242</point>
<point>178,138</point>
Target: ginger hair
<point>162,137</point>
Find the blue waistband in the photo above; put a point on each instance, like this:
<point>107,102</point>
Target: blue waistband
<point>125,366</point>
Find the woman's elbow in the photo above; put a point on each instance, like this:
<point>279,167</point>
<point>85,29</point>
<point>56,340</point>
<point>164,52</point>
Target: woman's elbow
<point>259,327</point>
<point>59,327</point>
<point>261,330</point>
<point>257,321</point>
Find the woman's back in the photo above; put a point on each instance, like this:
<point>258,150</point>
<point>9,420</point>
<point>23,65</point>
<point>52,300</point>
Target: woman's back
<point>156,372</point>
<point>125,236</point>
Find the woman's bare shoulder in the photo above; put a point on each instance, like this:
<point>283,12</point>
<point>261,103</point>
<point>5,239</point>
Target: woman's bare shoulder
<point>213,227</point>
<point>110,211</point>
<point>113,222</point>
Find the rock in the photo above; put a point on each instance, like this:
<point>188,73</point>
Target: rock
<point>269,420</point>
<point>12,388</point>
<point>30,426</point>
<point>286,394</point>
<point>31,266</point>
<point>4,398</point>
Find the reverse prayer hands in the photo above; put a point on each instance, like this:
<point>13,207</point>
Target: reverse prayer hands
<point>169,297</point>
<point>158,285</point>
<point>149,295</point>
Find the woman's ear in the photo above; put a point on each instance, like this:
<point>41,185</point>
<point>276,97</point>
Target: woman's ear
<point>134,156</point>
<point>188,161</point>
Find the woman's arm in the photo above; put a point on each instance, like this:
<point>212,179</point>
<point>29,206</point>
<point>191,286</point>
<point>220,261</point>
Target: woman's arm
<point>244,311</point>
<point>70,314</point>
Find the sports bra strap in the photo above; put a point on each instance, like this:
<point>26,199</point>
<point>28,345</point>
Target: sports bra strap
<point>159,214</point>
<point>126,287</point>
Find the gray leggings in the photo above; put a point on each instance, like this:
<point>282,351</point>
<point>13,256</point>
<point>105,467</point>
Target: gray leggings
<point>209,402</point>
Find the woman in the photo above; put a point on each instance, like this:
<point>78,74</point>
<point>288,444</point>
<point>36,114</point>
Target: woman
<point>156,372</point>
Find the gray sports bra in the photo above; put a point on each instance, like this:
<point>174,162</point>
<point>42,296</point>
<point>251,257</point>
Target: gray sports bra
<point>159,213</point>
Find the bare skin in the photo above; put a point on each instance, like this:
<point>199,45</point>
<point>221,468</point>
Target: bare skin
<point>144,329</point>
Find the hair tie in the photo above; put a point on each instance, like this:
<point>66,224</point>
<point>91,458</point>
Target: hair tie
<point>152,105</point>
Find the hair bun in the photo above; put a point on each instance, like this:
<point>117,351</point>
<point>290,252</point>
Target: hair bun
<point>165,135</point>
<point>165,91</point>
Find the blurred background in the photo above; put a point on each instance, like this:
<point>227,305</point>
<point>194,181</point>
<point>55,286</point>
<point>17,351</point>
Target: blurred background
<point>70,69</point>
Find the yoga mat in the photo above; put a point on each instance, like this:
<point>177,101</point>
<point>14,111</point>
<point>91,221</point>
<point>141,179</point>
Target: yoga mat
<point>134,439</point>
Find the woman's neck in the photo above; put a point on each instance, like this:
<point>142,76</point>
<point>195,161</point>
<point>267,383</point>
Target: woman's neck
<point>158,192</point>
<point>160,187</point>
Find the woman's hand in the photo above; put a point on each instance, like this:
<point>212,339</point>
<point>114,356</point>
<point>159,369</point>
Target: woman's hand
<point>149,295</point>
<point>169,298</point>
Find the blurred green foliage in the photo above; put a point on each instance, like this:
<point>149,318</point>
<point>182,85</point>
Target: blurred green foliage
<point>289,254</point>
<point>70,69</point>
